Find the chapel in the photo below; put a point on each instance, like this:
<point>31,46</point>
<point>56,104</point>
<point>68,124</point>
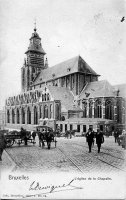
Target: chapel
<point>69,93</point>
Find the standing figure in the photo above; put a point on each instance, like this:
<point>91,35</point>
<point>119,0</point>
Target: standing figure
<point>2,144</point>
<point>34,135</point>
<point>99,139</point>
<point>89,138</point>
<point>116,135</point>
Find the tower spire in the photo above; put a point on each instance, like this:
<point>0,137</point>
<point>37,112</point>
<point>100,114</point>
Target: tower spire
<point>35,25</point>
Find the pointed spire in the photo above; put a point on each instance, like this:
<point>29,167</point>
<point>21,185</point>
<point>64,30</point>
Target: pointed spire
<point>46,63</point>
<point>35,25</point>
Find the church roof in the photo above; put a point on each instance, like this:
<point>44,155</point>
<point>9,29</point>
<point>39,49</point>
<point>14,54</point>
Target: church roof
<point>65,96</point>
<point>39,50</point>
<point>63,69</point>
<point>97,89</point>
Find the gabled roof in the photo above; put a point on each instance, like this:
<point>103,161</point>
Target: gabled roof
<point>97,89</point>
<point>64,95</point>
<point>64,68</point>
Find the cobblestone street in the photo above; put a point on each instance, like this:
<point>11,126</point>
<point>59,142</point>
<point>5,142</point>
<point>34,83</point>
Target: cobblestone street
<point>70,155</point>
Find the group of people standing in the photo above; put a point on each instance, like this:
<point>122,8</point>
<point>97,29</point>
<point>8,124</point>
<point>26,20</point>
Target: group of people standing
<point>90,137</point>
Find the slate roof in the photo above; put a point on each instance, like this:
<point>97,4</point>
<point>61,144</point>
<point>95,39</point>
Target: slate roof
<point>64,68</point>
<point>65,96</point>
<point>97,89</point>
<point>39,50</point>
<point>121,88</point>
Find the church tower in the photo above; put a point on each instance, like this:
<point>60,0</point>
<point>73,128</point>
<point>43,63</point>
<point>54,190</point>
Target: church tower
<point>34,62</point>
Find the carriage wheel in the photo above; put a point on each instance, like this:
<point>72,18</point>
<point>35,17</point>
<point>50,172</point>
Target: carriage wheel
<point>10,143</point>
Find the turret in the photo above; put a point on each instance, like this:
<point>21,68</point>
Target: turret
<point>34,63</point>
<point>46,63</point>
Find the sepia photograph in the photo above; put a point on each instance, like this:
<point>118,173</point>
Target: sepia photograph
<point>62,99</point>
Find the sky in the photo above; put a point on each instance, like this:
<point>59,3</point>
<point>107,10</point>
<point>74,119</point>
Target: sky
<point>89,28</point>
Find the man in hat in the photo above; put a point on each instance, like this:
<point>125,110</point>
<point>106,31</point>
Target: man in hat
<point>90,138</point>
<point>99,139</point>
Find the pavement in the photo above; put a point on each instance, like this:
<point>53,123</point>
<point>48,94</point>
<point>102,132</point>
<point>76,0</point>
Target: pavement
<point>70,155</point>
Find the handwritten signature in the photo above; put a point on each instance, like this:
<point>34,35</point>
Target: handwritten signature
<point>35,186</point>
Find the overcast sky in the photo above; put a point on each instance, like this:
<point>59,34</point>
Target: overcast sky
<point>90,28</point>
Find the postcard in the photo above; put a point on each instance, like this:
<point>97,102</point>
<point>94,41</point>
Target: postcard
<point>62,99</point>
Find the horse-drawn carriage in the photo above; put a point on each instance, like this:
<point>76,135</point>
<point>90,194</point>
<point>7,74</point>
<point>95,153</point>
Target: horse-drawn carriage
<point>45,134</point>
<point>18,137</point>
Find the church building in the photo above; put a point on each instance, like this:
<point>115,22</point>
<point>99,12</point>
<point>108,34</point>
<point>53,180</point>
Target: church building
<point>69,93</point>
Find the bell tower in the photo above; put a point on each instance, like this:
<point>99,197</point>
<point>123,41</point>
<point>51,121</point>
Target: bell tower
<point>34,62</point>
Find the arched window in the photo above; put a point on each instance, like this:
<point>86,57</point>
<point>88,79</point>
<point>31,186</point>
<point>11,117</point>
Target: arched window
<point>23,116</point>
<point>8,116</point>
<point>13,116</point>
<point>18,116</point>
<point>57,112</point>
<point>84,107</point>
<point>45,111</point>
<point>35,115</point>
<point>51,111</point>
<point>43,97</point>
<point>48,97</point>
<point>90,109</point>
<point>98,109</point>
<point>40,111</point>
<point>28,116</point>
<point>108,109</point>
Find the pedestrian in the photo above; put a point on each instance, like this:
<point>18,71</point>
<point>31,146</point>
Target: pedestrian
<point>34,135</point>
<point>89,138</point>
<point>116,135</point>
<point>99,139</point>
<point>2,144</point>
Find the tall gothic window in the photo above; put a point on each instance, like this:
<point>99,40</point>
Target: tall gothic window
<point>28,116</point>
<point>45,111</point>
<point>51,111</point>
<point>57,110</point>
<point>90,109</point>
<point>8,116</point>
<point>48,97</point>
<point>18,116</point>
<point>40,111</point>
<point>35,115</point>
<point>23,115</point>
<point>108,109</point>
<point>84,107</point>
<point>98,109</point>
<point>13,116</point>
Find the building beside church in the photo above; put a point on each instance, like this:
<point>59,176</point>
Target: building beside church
<point>68,92</point>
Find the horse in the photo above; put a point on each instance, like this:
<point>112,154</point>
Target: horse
<point>49,137</point>
<point>41,139</point>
